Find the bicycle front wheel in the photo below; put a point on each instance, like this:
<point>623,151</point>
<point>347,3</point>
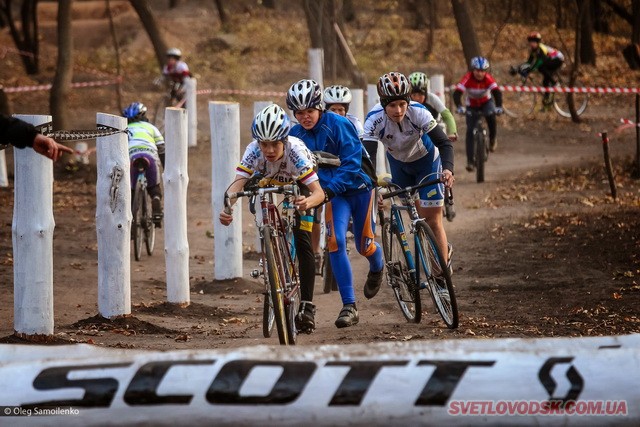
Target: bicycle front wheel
<point>275,274</point>
<point>137,224</point>
<point>437,277</point>
<point>479,140</point>
<point>399,275</point>
<point>149,226</point>
<point>518,103</point>
<point>291,288</point>
<point>563,101</point>
<point>268,316</point>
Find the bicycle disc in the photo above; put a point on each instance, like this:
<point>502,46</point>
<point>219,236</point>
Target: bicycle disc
<point>275,274</point>
<point>438,279</point>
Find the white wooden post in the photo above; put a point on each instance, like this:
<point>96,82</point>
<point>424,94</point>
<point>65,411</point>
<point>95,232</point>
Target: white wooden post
<point>32,231</point>
<point>225,153</point>
<point>113,219</point>
<point>191,86</point>
<point>357,104</point>
<point>4,179</point>
<point>437,87</point>
<point>257,107</point>
<point>316,65</point>
<point>372,100</point>
<point>176,180</point>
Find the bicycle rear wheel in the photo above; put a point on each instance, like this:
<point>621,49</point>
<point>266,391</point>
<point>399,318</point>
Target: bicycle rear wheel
<point>275,274</point>
<point>291,288</point>
<point>519,104</point>
<point>137,223</point>
<point>480,150</point>
<point>149,226</point>
<point>437,276</point>
<point>399,276</point>
<point>268,315</point>
<point>561,102</point>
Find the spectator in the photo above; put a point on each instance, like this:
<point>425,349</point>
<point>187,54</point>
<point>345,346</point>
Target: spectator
<point>21,134</point>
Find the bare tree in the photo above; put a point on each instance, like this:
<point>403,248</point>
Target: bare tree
<point>222,13</point>
<point>116,48</point>
<point>269,4</point>
<point>632,51</point>
<point>468,37</point>
<point>587,50</point>
<point>26,37</point>
<point>64,69</point>
<point>151,27</point>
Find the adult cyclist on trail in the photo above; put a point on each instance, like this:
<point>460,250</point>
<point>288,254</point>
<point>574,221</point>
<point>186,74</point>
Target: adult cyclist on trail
<point>421,93</point>
<point>481,90</point>
<point>146,142</point>
<point>544,59</point>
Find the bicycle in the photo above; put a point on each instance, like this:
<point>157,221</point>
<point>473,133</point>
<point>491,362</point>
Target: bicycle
<point>449,211</point>
<point>523,102</point>
<point>282,285</point>
<point>403,273</point>
<point>142,225</point>
<point>174,96</point>
<point>480,143</point>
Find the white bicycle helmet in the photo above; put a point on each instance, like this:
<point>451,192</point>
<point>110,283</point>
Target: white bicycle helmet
<point>393,86</point>
<point>419,82</point>
<point>337,94</point>
<point>304,94</point>
<point>271,124</point>
<point>174,51</point>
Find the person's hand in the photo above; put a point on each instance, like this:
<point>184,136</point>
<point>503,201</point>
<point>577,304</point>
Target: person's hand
<point>303,203</point>
<point>453,137</point>
<point>380,200</point>
<point>226,218</point>
<point>447,178</point>
<point>499,111</point>
<point>460,110</point>
<point>49,148</point>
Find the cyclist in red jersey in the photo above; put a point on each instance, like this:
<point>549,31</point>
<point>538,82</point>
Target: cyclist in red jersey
<point>481,90</point>
<point>175,71</point>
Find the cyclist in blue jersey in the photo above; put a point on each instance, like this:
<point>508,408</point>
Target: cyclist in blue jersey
<point>416,147</point>
<point>348,192</point>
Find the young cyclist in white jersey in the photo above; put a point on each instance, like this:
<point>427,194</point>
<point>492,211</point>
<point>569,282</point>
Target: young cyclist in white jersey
<point>416,147</point>
<point>146,142</point>
<point>337,99</point>
<point>283,159</point>
<point>421,93</point>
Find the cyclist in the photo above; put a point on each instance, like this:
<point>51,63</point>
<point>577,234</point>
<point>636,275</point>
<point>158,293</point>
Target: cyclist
<point>175,71</point>
<point>421,93</point>
<point>481,90</point>
<point>282,159</point>
<point>146,142</point>
<point>337,99</point>
<point>544,59</point>
<point>348,192</point>
<point>416,147</point>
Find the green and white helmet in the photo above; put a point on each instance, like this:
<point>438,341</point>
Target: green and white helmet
<point>419,82</point>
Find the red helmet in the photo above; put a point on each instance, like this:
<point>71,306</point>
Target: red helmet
<point>534,36</point>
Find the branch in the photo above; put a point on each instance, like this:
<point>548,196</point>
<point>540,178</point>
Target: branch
<point>502,25</point>
<point>619,10</point>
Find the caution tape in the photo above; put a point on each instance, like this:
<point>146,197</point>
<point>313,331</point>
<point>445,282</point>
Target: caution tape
<point>36,88</point>
<point>239,92</point>
<point>561,89</point>
<point>626,124</point>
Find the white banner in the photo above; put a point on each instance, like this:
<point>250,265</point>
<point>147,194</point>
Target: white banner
<point>585,381</point>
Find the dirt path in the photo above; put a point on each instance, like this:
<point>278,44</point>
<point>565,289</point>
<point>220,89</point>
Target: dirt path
<point>530,259</point>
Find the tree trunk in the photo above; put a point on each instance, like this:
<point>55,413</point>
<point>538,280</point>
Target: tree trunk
<point>599,18</point>
<point>587,51</point>
<point>561,15</point>
<point>269,4</point>
<point>151,27</point>
<point>116,48</point>
<point>173,4</point>
<point>415,10</point>
<point>348,11</point>
<point>468,37</point>
<point>224,19</point>
<point>64,69</point>
<point>25,39</point>
<point>635,31</point>
<point>576,61</point>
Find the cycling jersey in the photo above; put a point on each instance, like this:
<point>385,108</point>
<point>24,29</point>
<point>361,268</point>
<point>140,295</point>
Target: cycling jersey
<point>542,55</point>
<point>478,91</point>
<point>402,140</point>
<point>440,112</point>
<point>356,122</point>
<point>296,164</point>
<point>143,136</point>
<point>177,72</point>
<point>336,135</point>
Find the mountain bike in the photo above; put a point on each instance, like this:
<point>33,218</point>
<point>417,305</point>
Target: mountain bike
<point>282,284</point>
<point>480,143</point>
<point>142,225</point>
<point>408,273</point>
<point>523,101</point>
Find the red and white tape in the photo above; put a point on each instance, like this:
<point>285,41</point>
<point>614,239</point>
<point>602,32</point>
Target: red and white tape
<point>561,89</point>
<point>36,88</point>
<point>626,124</point>
<point>239,92</point>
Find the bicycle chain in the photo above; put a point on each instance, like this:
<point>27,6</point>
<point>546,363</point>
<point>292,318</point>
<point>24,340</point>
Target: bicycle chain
<point>73,135</point>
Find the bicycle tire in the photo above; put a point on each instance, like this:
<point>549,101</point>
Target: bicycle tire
<point>328,279</point>
<point>519,104</point>
<point>291,298</point>
<point>480,150</point>
<point>149,227</point>
<point>398,275</point>
<point>136,223</point>
<point>276,284</point>
<point>561,102</point>
<point>268,315</point>
<point>439,282</point>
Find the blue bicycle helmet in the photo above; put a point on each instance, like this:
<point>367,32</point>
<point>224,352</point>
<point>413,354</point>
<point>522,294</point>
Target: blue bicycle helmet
<point>479,63</point>
<point>136,111</point>
<point>271,124</point>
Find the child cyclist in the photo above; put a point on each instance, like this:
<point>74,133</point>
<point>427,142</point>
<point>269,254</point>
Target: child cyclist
<point>421,93</point>
<point>481,90</point>
<point>416,148</point>
<point>337,99</point>
<point>146,142</point>
<point>175,71</point>
<point>348,192</point>
<point>282,159</point>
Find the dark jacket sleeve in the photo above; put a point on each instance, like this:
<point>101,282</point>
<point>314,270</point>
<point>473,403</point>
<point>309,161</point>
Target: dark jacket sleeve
<point>497,95</point>
<point>457,97</point>
<point>16,132</point>
<point>440,140</point>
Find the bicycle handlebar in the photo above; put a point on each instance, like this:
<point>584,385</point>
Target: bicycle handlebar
<point>289,189</point>
<point>412,188</point>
